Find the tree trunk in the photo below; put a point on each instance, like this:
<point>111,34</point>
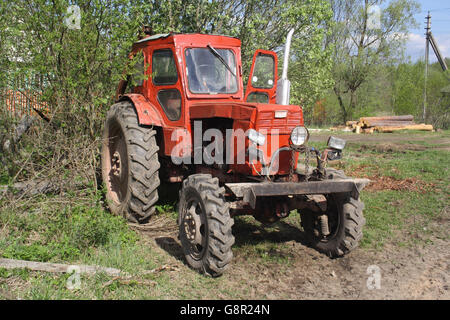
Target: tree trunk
<point>341,104</point>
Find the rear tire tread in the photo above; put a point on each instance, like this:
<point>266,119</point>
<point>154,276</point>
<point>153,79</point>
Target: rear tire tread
<point>143,164</point>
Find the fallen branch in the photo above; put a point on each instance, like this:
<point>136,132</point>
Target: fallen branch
<point>127,281</point>
<point>30,188</point>
<point>57,267</point>
<point>166,267</point>
<point>33,188</point>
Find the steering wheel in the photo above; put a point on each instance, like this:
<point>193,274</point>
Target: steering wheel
<point>208,79</point>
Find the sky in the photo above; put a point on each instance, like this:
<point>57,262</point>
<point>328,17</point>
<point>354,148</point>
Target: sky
<point>440,28</point>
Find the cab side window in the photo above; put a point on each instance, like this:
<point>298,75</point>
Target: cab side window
<point>165,76</point>
<point>258,97</point>
<point>164,71</point>
<point>170,100</point>
<point>263,72</point>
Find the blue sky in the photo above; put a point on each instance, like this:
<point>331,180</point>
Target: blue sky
<point>440,27</point>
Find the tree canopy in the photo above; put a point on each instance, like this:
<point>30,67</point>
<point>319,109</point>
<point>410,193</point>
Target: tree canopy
<point>347,56</point>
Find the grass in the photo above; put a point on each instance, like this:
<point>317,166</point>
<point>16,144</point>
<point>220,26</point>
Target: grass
<point>76,229</point>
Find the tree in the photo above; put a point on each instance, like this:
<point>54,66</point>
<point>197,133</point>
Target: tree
<point>407,92</point>
<point>367,33</point>
<point>407,85</point>
<point>81,67</point>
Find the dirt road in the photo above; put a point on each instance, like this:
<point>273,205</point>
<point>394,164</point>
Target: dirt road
<point>419,272</point>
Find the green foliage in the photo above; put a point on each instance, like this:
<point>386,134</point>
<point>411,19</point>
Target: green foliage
<point>408,89</point>
<point>408,80</point>
<point>82,66</point>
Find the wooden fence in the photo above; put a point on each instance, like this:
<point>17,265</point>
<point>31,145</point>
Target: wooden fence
<point>19,98</point>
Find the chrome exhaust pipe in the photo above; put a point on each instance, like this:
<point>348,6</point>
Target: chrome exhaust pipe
<point>284,85</point>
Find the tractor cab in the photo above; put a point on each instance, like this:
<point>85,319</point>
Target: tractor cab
<point>198,67</point>
<point>197,77</point>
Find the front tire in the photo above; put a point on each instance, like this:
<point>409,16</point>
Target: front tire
<point>129,164</point>
<point>345,221</point>
<point>205,225</point>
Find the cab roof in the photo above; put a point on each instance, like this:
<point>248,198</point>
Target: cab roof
<point>191,38</point>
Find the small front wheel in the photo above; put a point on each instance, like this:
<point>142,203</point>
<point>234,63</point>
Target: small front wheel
<point>205,225</point>
<point>339,230</point>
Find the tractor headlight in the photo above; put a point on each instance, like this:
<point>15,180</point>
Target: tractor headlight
<point>336,143</point>
<point>256,137</point>
<point>299,136</point>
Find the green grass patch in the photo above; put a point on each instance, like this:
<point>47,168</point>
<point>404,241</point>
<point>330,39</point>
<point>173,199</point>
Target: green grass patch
<point>53,233</point>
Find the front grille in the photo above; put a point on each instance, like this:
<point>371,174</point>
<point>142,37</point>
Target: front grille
<point>266,121</point>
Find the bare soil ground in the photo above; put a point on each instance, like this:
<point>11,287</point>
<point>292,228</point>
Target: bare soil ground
<point>419,272</point>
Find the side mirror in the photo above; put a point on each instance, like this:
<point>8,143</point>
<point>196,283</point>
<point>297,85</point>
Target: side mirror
<point>334,150</point>
<point>336,143</point>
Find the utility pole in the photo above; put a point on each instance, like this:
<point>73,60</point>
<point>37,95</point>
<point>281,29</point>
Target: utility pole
<point>427,50</point>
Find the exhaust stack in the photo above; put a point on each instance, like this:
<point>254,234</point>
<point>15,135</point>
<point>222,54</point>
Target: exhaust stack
<point>284,85</point>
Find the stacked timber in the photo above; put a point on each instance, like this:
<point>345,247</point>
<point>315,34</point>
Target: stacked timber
<point>387,124</point>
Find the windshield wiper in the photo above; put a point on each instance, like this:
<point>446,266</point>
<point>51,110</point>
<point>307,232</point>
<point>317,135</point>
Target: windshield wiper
<point>218,56</point>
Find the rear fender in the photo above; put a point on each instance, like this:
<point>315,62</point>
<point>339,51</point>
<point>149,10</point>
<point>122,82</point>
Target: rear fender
<point>146,112</point>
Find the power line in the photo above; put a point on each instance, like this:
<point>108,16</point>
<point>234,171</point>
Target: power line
<point>437,9</point>
<point>433,10</point>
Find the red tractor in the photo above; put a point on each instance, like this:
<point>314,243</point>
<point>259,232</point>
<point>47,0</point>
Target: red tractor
<point>188,121</point>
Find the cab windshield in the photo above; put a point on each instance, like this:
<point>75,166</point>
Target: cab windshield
<point>208,74</point>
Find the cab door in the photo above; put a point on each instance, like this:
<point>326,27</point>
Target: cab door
<point>262,82</point>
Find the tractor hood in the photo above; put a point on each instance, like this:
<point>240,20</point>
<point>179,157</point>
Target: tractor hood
<point>260,116</point>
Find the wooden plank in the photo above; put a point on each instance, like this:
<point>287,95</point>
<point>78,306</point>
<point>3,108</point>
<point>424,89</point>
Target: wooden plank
<point>386,123</point>
<point>421,127</point>
<point>389,118</point>
<point>368,130</point>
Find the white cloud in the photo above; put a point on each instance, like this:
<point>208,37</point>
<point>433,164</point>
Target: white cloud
<point>415,46</point>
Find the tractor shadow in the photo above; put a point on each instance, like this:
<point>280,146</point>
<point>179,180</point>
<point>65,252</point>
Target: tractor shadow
<point>246,233</point>
<point>253,233</point>
<point>172,247</point>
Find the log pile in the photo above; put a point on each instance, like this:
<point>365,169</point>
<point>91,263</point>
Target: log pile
<point>386,124</point>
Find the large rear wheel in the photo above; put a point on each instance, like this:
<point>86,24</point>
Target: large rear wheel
<point>129,164</point>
